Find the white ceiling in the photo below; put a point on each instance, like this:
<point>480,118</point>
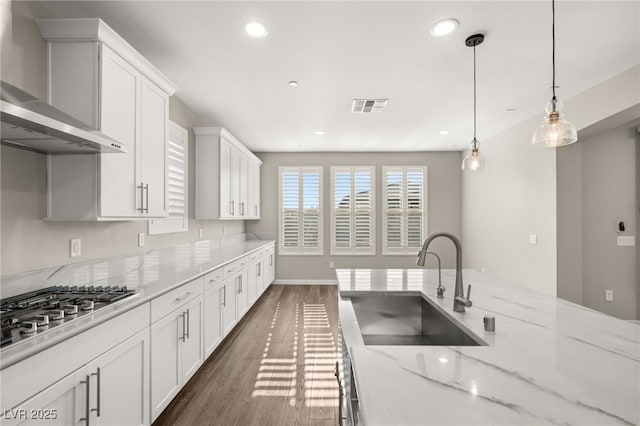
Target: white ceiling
<point>343,50</point>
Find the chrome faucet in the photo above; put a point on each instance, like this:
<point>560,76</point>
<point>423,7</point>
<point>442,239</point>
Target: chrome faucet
<point>459,301</point>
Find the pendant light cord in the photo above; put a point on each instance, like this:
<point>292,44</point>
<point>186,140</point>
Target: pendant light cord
<point>475,141</point>
<point>553,50</point>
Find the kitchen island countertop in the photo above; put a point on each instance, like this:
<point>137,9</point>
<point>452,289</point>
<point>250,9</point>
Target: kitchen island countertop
<point>549,361</point>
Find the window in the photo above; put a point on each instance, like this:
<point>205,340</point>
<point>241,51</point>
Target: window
<point>352,210</point>
<point>177,184</point>
<point>405,209</point>
<point>300,212</point>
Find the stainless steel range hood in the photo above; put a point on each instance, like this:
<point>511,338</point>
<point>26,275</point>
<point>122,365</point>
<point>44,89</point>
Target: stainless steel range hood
<point>29,123</point>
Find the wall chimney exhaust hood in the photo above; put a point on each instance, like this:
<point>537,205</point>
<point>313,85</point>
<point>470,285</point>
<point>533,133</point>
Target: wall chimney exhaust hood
<point>29,123</point>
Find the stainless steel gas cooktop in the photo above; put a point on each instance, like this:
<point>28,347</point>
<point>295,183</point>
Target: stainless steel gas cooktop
<point>30,314</point>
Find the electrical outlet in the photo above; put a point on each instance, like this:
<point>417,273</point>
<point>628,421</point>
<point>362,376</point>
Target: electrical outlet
<point>141,239</point>
<point>608,295</point>
<point>533,238</point>
<point>332,265</point>
<point>224,230</point>
<point>75,248</point>
<point>201,233</point>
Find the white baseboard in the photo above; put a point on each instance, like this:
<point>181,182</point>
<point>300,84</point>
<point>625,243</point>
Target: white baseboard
<point>305,282</point>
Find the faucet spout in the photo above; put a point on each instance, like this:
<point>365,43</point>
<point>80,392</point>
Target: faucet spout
<point>459,300</point>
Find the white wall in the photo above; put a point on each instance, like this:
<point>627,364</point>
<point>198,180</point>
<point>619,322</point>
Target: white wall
<point>596,189</point>
<point>444,206</point>
<point>28,242</point>
<point>517,195</point>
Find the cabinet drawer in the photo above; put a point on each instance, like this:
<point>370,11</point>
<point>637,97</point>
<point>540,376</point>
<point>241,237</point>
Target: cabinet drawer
<point>232,268</point>
<point>176,298</point>
<point>213,278</point>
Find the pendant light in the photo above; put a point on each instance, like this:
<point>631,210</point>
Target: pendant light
<point>555,131</point>
<point>474,161</point>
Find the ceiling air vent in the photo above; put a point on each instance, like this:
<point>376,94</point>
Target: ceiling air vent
<point>368,105</point>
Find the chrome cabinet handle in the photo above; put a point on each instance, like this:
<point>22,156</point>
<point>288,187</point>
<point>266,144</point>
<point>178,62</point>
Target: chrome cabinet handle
<point>180,299</point>
<point>88,401</point>
<point>146,209</point>
<point>270,259</point>
<point>256,210</point>
<point>232,208</point>
<point>241,209</point>
<point>184,334</point>
<point>141,186</point>
<point>188,323</point>
<point>223,298</point>
<point>97,409</point>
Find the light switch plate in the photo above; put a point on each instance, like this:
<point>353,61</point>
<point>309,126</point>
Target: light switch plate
<point>608,295</point>
<point>141,239</point>
<point>626,240</point>
<point>201,233</point>
<point>533,238</point>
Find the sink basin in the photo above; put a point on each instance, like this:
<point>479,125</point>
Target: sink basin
<point>386,319</point>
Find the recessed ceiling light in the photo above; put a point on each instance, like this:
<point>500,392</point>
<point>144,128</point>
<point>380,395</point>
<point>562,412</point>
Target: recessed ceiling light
<point>256,29</point>
<point>444,27</point>
<point>293,83</point>
<point>510,109</point>
<point>444,132</point>
<point>320,132</point>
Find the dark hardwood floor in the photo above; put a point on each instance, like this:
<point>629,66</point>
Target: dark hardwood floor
<point>275,368</point>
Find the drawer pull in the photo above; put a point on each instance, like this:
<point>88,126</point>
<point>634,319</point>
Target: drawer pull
<point>180,299</point>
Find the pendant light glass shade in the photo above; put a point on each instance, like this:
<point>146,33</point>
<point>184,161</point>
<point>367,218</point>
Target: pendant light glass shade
<point>474,161</point>
<point>555,131</point>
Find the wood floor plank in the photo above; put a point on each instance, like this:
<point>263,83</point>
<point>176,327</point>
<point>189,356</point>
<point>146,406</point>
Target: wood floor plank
<point>274,368</point>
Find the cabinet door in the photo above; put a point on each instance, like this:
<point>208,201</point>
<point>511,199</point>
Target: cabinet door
<point>154,117</point>
<point>256,191</point>
<point>120,383</point>
<point>235,181</point>
<point>228,305</point>
<point>63,403</point>
<point>250,191</point>
<point>227,207</point>
<point>118,112</point>
<point>212,324</point>
<point>242,298</point>
<point>244,186</point>
<point>260,276</point>
<point>166,361</point>
<point>252,282</point>
<point>192,351</point>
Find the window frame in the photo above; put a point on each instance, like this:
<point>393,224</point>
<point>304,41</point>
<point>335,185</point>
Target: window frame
<point>301,251</point>
<point>405,250</point>
<point>353,250</point>
<point>168,225</point>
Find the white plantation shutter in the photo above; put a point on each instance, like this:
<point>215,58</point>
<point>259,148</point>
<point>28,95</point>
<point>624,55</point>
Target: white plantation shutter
<point>177,219</point>
<point>404,209</point>
<point>352,210</point>
<point>300,214</point>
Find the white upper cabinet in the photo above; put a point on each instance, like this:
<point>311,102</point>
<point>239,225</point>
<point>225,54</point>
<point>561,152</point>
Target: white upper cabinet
<point>97,77</point>
<point>226,176</point>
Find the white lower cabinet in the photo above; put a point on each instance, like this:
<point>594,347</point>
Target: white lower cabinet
<point>228,306</point>
<point>176,345</point>
<point>119,382</point>
<point>64,402</point>
<point>212,327</point>
<point>242,293</point>
<point>113,390</point>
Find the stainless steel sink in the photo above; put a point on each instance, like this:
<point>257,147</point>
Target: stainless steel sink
<point>386,319</point>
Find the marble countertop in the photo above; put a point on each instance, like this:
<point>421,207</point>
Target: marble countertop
<point>152,274</point>
<point>549,361</point>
